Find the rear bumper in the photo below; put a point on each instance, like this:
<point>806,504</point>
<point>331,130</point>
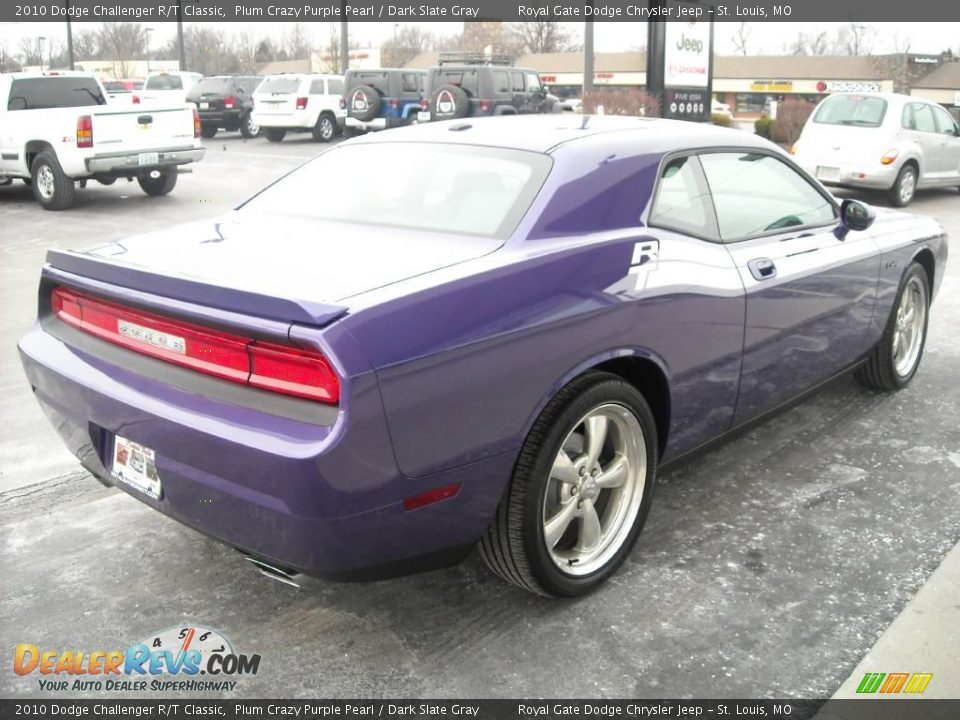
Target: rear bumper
<point>323,500</point>
<point>127,161</point>
<point>229,119</point>
<point>379,123</point>
<point>872,176</point>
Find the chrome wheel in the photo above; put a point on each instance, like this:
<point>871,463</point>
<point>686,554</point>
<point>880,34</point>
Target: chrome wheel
<point>252,127</point>
<point>911,322</point>
<point>46,184</point>
<point>326,128</point>
<point>908,186</point>
<point>595,489</point>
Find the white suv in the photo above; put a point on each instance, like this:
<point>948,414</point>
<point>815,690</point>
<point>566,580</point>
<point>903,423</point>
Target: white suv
<point>300,103</point>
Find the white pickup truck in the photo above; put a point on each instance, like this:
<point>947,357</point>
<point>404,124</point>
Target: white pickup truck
<point>57,129</point>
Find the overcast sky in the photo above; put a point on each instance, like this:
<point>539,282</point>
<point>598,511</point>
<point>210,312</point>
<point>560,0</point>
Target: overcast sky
<point>765,37</point>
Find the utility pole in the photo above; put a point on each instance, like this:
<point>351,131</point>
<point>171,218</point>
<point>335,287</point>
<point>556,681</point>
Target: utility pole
<point>344,39</point>
<point>183,54</point>
<point>69,38</point>
<point>588,56</point>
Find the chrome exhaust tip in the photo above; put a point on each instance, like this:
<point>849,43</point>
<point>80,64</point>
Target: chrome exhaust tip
<point>275,572</point>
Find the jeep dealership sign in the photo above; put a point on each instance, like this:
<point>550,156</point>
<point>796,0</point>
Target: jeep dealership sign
<point>687,55</point>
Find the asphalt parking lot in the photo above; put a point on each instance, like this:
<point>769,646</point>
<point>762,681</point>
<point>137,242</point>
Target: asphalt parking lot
<point>767,568</point>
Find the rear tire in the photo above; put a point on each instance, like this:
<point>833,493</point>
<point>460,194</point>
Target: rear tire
<point>158,186</point>
<point>208,131</point>
<point>580,491</point>
<point>248,128</point>
<point>325,129</point>
<point>894,360</point>
<point>275,134</point>
<point>904,187</point>
<point>52,188</point>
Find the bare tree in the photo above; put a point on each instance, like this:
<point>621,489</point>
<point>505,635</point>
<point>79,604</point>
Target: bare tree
<point>542,36</point>
<point>740,38</point>
<point>30,51</point>
<point>122,42</point>
<point>409,42</point>
<point>855,39</point>
<point>296,43</point>
<point>85,44</point>
<point>814,44</point>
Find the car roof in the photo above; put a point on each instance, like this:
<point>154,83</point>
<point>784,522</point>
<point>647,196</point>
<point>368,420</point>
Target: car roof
<point>542,133</point>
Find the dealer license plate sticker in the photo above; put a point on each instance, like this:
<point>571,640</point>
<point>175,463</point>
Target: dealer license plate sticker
<point>136,465</point>
<point>204,106</point>
<point>148,159</point>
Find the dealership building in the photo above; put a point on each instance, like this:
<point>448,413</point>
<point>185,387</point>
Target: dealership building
<point>748,83</point>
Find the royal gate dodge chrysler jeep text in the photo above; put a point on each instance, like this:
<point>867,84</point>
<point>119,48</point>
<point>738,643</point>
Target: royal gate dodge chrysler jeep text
<point>500,348</point>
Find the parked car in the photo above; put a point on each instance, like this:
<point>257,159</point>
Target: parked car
<point>572,105</point>
<point>56,129</point>
<point>300,103</point>
<point>225,102</point>
<point>881,141</point>
<point>500,348</point>
<point>472,85</point>
<point>121,91</point>
<point>382,98</point>
<point>166,87</point>
<point>721,109</point>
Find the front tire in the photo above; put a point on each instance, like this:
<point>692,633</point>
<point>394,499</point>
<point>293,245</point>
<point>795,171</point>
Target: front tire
<point>158,186</point>
<point>52,188</point>
<point>275,134</point>
<point>580,491</point>
<point>904,187</point>
<point>894,360</point>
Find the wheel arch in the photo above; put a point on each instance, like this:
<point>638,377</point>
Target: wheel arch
<point>928,262</point>
<point>34,148</point>
<point>643,369</point>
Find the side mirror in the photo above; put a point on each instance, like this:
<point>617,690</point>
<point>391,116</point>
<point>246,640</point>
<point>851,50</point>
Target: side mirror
<point>854,215</point>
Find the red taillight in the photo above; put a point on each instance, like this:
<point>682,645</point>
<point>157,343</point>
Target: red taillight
<point>229,101</point>
<point>196,122</point>
<point>394,103</point>
<point>484,105</point>
<point>301,103</point>
<point>84,132</point>
<point>136,99</point>
<point>424,104</point>
<point>343,103</point>
<point>277,368</point>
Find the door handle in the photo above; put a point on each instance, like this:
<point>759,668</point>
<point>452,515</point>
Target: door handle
<point>762,268</point>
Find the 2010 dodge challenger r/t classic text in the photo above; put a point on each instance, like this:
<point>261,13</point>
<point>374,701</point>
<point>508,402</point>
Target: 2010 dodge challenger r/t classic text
<point>356,374</point>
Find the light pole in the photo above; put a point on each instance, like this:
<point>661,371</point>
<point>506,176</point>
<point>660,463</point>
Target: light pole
<point>148,31</point>
<point>40,41</point>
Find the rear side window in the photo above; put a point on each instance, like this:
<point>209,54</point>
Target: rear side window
<point>316,88</point>
<point>756,194</point>
<point>54,92</point>
<point>858,110</point>
<point>683,201</point>
<point>279,85</point>
<point>501,81</point>
<point>164,82</point>
<point>468,80</point>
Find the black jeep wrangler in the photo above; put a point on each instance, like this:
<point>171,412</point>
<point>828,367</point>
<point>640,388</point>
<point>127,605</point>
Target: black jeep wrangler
<point>470,85</point>
<point>380,98</point>
<point>224,102</point>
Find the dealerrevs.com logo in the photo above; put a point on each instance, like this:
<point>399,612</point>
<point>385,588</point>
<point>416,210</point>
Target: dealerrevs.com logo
<point>190,659</point>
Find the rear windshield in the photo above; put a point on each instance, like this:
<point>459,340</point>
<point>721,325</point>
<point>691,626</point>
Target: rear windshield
<point>164,82</point>
<point>858,110</point>
<point>469,80</point>
<point>378,80</point>
<point>213,85</point>
<point>279,85</point>
<point>54,92</point>
<point>456,188</point>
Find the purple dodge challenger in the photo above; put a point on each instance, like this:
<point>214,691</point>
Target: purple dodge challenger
<point>356,374</point>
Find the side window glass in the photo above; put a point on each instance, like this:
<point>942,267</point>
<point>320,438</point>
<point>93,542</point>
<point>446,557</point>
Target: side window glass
<point>316,88</point>
<point>924,118</point>
<point>517,79</point>
<point>755,194</point>
<point>501,81</point>
<point>533,82</point>
<point>907,121</point>
<point>409,82</point>
<point>682,201</point>
<point>945,123</point>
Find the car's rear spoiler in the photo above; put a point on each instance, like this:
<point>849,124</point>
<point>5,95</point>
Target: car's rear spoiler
<point>193,291</point>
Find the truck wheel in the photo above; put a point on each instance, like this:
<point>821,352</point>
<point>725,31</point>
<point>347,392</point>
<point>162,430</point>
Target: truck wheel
<point>275,134</point>
<point>51,186</point>
<point>160,185</point>
<point>208,131</point>
<point>248,128</point>
<point>325,129</point>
